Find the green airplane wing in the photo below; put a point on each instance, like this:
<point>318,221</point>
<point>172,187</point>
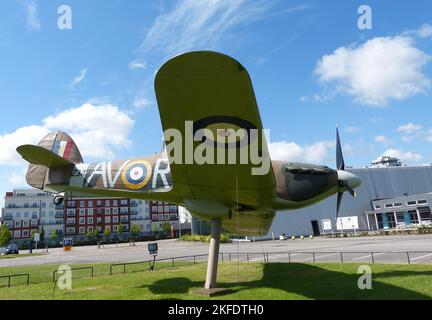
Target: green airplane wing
<point>213,91</point>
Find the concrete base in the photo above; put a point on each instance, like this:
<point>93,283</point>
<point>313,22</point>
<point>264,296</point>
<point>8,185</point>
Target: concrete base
<point>210,292</point>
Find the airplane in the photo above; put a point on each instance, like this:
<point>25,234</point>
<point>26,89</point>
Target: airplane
<point>214,93</point>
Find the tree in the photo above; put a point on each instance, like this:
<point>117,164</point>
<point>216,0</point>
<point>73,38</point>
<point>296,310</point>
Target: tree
<point>107,233</point>
<point>166,228</point>
<point>5,235</point>
<point>135,230</point>
<point>88,235</point>
<point>53,235</point>
<point>42,234</point>
<point>120,231</point>
<point>96,234</point>
<point>33,232</point>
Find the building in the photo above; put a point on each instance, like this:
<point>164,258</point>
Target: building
<point>85,215</point>
<point>162,212</point>
<point>31,210</point>
<point>386,161</point>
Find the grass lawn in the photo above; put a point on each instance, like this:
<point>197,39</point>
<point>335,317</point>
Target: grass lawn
<point>12,256</point>
<point>247,280</point>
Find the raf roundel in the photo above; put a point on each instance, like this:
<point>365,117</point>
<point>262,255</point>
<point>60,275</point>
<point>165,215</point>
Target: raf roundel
<point>137,174</point>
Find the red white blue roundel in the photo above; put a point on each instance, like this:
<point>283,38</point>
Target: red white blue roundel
<point>137,174</point>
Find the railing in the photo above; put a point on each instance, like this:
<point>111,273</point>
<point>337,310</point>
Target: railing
<point>16,275</point>
<point>74,269</point>
<point>173,259</point>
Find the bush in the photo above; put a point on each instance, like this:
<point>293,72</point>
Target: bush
<point>225,238</point>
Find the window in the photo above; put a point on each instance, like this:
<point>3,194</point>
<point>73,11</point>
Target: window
<point>115,228</point>
<point>397,205</point>
<point>17,234</point>
<point>107,219</point>
<point>82,230</point>
<point>124,202</point>
<point>115,203</point>
<point>17,224</point>
<point>25,234</point>
<point>25,224</point>
<point>71,204</point>
<point>160,209</point>
<point>166,216</point>
<point>71,213</point>
<point>425,214</point>
<point>115,219</point>
<point>154,209</point>
<point>99,203</point>
<point>160,216</point>
<point>108,228</point>
<point>90,204</point>
<point>115,210</point>
<point>26,215</point>
<point>107,211</point>
<point>173,208</point>
<point>51,213</point>
<point>89,212</point>
<point>413,216</point>
<point>90,229</point>
<point>82,204</point>
<point>82,212</point>
<point>82,221</point>
<point>411,203</point>
<point>124,219</point>
<point>70,221</point>
<point>89,220</point>
<point>124,210</point>
<point>422,202</point>
<point>390,205</point>
<point>166,208</point>
<point>173,217</point>
<point>107,203</point>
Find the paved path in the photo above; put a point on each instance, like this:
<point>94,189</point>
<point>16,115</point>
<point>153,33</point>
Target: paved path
<point>328,250</point>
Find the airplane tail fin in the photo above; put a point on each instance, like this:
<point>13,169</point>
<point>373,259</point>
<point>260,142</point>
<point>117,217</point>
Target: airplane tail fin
<point>55,151</point>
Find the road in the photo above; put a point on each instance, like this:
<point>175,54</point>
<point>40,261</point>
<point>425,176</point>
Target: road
<point>327,250</point>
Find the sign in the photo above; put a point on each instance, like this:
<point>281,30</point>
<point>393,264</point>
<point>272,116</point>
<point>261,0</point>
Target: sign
<point>37,237</point>
<point>347,223</point>
<point>326,224</point>
<point>67,244</point>
<point>153,248</point>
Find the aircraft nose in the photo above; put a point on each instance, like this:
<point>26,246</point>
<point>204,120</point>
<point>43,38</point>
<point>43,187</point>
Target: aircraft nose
<point>352,180</point>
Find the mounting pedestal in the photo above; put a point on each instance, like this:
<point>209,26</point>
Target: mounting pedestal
<point>210,288</point>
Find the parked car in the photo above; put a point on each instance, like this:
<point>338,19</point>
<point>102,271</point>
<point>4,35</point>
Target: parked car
<point>9,249</point>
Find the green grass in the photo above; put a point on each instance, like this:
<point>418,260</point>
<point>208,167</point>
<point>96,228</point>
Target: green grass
<point>247,280</point>
<point>13,256</point>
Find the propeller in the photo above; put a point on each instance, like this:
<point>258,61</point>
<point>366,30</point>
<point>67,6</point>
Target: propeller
<point>343,176</point>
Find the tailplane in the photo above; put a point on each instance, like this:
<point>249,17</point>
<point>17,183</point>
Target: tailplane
<point>55,151</point>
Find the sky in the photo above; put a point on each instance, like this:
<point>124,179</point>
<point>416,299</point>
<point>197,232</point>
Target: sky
<point>311,65</point>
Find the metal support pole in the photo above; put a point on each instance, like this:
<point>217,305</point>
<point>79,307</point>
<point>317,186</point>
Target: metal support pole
<point>408,257</point>
<point>213,255</point>
<point>373,260</point>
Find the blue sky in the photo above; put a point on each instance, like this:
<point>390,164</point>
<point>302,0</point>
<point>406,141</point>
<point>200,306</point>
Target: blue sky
<point>311,67</point>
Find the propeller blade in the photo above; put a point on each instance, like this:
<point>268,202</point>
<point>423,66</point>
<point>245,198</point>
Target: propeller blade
<point>344,184</point>
<point>340,163</point>
<point>339,202</point>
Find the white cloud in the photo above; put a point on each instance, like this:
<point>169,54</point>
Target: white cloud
<point>33,22</point>
<point>383,140</point>
<point>408,157</point>
<point>289,151</point>
<point>407,138</point>
<point>352,129</point>
<point>135,65</point>
<point>425,31</point>
<point>10,141</point>
<point>379,70</point>
<point>409,128</point>
<point>140,103</point>
<point>97,130</point>
<point>17,178</point>
<point>200,23</point>
<point>429,136</point>
<point>78,78</point>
